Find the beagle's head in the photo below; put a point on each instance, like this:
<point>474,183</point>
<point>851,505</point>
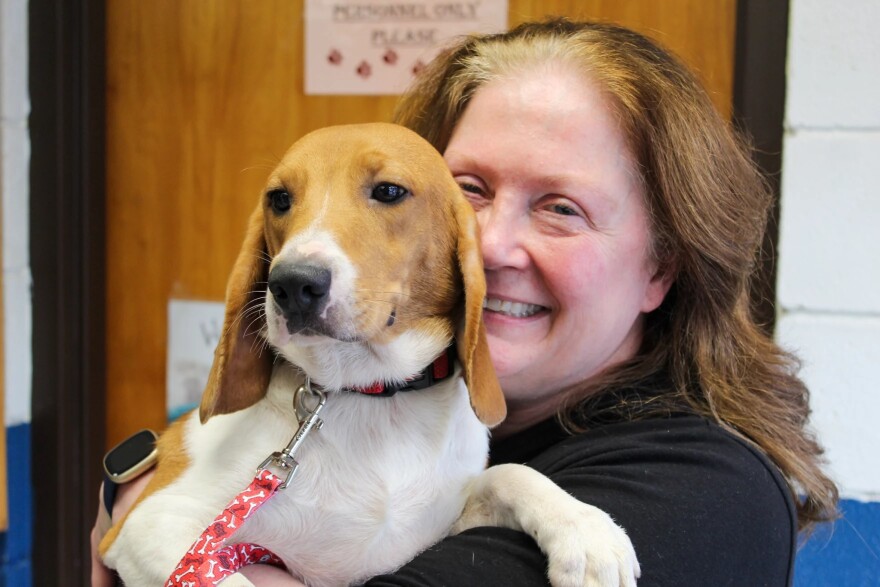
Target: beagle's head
<point>360,264</point>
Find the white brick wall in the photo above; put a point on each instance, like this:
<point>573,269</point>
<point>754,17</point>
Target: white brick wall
<point>829,273</point>
<point>830,225</point>
<point>840,355</point>
<point>833,50</point>
<point>14,183</point>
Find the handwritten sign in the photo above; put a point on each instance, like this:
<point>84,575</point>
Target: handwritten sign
<point>376,47</point>
<point>193,333</point>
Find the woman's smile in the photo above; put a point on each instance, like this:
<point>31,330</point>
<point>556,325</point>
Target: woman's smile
<point>512,309</point>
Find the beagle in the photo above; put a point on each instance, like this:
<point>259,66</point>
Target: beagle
<point>359,269</point>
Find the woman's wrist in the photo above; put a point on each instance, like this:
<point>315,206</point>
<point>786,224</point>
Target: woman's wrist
<point>128,493</point>
<point>126,462</point>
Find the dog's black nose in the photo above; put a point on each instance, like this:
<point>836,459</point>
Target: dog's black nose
<point>301,291</point>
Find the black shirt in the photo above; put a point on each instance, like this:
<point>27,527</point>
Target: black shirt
<point>702,507</point>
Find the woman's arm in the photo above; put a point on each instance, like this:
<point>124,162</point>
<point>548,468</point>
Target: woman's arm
<point>701,506</point>
<point>260,575</point>
<point>125,498</point>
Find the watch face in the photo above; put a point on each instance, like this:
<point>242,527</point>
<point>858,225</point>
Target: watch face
<point>132,453</point>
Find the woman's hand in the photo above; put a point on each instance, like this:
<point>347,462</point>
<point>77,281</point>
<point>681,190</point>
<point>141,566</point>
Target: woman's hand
<point>125,498</point>
<point>262,575</point>
<point>269,576</point>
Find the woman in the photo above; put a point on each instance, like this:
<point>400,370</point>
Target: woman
<point>620,222</point>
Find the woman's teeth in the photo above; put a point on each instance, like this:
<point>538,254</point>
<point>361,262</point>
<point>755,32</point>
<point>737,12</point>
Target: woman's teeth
<point>515,309</point>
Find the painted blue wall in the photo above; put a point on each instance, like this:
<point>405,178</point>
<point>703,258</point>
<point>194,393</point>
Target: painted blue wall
<point>845,554</point>
<point>16,545</point>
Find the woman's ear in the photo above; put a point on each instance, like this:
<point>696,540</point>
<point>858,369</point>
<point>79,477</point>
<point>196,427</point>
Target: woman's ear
<point>487,398</point>
<point>242,362</point>
<point>658,286</point>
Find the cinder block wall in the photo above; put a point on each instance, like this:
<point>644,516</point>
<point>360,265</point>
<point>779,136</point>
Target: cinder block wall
<point>829,272</point>
<point>15,542</point>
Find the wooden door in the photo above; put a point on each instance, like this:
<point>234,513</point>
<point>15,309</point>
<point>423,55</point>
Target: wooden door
<point>203,97</point>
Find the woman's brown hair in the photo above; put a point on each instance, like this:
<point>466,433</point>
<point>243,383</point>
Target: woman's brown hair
<point>708,206</point>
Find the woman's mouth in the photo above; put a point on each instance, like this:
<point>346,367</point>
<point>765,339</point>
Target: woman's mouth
<point>508,308</point>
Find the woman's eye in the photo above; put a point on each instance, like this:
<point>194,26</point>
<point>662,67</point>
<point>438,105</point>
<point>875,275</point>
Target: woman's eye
<point>563,210</point>
<point>389,193</point>
<point>279,200</point>
<point>475,194</point>
<point>474,191</point>
<point>470,188</point>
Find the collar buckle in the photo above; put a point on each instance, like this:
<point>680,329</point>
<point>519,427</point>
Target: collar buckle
<point>284,459</point>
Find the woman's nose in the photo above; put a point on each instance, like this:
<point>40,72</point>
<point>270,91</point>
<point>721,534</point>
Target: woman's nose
<point>502,236</point>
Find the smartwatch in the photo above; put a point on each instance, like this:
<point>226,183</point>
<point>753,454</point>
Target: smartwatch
<point>126,461</point>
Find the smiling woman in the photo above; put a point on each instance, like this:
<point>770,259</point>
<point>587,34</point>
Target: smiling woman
<point>621,218</point>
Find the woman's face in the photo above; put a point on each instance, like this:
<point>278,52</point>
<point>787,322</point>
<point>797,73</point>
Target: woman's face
<point>565,235</point>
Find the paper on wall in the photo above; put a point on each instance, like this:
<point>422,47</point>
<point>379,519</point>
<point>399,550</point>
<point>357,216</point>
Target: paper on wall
<point>194,329</point>
<point>376,47</point>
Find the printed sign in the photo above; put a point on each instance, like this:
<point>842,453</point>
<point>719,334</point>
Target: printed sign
<point>376,47</point>
<point>193,333</point>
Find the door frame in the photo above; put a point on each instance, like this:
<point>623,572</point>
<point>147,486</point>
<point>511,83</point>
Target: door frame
<point>67,91</point>
<point>67,223</point>
<point>759,84</point>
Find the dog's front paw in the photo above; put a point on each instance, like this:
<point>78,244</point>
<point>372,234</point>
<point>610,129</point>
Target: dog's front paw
<point>586,548</point>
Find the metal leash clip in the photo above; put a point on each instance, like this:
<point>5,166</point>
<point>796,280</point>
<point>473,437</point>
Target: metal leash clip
<point>284,459</point>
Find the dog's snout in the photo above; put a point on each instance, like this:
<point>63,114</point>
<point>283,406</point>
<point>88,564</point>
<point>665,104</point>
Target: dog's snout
<point>301,290</point>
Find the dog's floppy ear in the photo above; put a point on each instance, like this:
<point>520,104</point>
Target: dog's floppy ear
<point>242,366</point>
<point>473,350</point>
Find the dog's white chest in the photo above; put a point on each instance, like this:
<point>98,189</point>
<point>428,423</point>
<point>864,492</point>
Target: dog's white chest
<point>382,480</point>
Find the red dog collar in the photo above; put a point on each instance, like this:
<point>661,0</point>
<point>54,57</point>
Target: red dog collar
<point>437,371</point>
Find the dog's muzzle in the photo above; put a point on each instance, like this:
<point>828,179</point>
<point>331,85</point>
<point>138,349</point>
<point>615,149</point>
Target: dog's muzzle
<point>301,293</point>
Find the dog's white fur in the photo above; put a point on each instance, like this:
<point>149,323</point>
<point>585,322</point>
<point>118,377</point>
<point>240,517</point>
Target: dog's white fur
<point>385,477</point>
<point>365,476</point>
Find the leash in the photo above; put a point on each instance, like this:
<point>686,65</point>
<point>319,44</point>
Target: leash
<point>208,561</point>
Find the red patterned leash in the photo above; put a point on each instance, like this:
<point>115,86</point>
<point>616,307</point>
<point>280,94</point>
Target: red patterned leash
<point>208,561</point>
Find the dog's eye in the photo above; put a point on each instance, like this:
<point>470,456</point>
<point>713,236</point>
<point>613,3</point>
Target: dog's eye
<point>279,199</point>
<point>389,193</point>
